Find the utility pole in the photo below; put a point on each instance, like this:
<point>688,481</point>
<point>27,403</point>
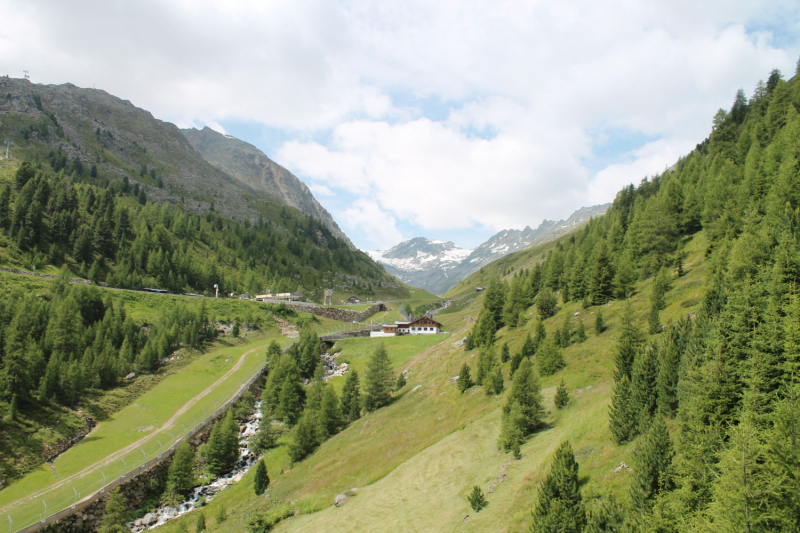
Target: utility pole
<point>8,142</point>
<point>26,75</point>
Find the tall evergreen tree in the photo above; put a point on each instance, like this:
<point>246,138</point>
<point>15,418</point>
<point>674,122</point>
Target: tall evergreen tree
<point>580,333</point>
<point>487,360</point>
<point>523,412</point>
<point>464,380</point>
<point>559,506</point>
<point>351,397</point>
<point>116,513</point>
<point>505,354</point>
<point>305,439</point>
<point>261,479</point>
<point>180,478</point>
<point>643,388</point>
<point>628,345</point>
<point>621,417</point>
<point>330,413</point>
<point>378,380</point>
<point>561,398</point>
<point>550,359</point>
<point>652,466</point>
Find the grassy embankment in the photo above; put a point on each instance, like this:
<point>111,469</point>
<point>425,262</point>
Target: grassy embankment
<point>414,462</point>
<point>157,398</point>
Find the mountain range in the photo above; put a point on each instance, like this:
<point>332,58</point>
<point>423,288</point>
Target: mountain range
<point>199,168</point>
<point>437,266</point>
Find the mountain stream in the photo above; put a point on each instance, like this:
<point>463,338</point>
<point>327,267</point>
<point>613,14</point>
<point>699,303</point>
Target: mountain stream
<point>247,430</point>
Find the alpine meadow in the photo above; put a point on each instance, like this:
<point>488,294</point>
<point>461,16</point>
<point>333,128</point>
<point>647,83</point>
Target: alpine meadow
<point>189,342</point>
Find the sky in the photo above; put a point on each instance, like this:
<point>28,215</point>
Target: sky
<point>451,119</point>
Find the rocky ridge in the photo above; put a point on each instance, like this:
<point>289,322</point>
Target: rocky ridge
<point>437,266</point>
<point>252,167</point>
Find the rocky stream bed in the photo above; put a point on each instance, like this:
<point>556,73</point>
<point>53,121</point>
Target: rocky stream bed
<point>247,430</point>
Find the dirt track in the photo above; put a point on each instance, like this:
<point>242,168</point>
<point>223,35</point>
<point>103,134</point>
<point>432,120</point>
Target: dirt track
<point>131,447</point>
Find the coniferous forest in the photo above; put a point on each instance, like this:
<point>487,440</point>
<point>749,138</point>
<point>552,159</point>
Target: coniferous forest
<point>712,400</point>
<point>57,212</point>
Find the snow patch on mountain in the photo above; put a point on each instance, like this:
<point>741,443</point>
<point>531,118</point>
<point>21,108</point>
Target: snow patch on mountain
<point>436,266</point>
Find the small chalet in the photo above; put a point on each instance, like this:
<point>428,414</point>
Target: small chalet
<point>354,300</point>
<point>421,326</point>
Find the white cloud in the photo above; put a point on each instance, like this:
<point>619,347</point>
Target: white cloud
<point>511,96</point>
<point>377,228</point>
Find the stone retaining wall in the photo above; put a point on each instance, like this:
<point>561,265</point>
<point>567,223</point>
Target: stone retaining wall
<point>336,313</point>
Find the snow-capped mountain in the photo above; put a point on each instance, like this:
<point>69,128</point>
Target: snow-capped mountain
<point>436,266</point>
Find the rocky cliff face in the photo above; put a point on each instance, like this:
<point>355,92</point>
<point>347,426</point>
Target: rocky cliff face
<point>437,266</point>
<point>252,167</point>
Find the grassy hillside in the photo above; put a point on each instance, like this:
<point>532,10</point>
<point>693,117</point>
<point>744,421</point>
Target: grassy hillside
<point>414,462</point>
<point>691,383</point>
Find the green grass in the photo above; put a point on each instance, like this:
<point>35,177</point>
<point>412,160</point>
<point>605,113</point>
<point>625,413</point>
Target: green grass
<point>357,351</point>
<point>414,462</point>
<point>142,418</point>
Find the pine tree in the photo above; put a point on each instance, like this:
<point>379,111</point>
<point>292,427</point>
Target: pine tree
<point>600,285</point>
<point>561,398</point>
<point>783,459</point>
<point>379,380</point>
<point>305,439</point>
<point>643,388</point>
<point>351,397</point>
<point>330,413</point>
<point>464,380</point>
<point>559,508</point>
<point>116,513</point>
<point>200,525</point>
<point>599,324</point>
<point>486,363</point>
<point>230,440</point>
<point>621,418</point>
<point>235,329</point>
<point>401,381</point>
<point>476,499</point>
<point>654,319</point>
<point>497,381</point>
<point>261,479</point>
<point>628,345</point>
<point>580,333</point>
<point>180,478</point>
<point>505,353</point>
<point>669,360</point>
<point>290,398</point>
<point>566,332</point>
<point>550,359</point>
<point>523,412</point>
<point>652,466</point>
<point>215,449</point>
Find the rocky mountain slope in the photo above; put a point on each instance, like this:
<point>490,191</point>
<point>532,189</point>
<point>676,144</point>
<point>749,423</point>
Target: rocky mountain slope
<point>124,141</point>
<point>252,167</point>
<point>437,266</point>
